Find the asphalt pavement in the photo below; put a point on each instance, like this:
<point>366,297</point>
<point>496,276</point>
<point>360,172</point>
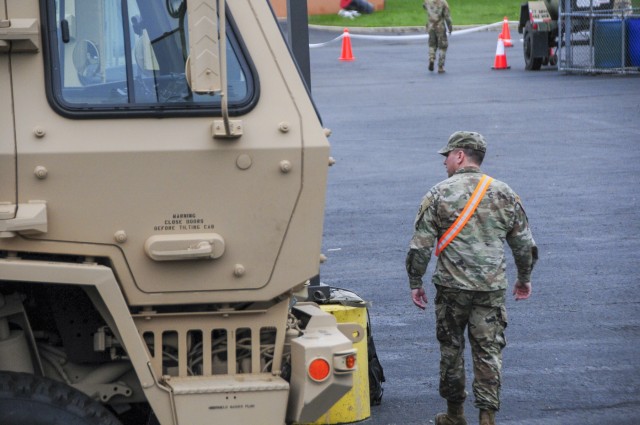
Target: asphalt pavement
<point>567,144</point>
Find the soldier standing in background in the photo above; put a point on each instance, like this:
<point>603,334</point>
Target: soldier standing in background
<point>624,7</point>
<point>438,24</point>
<point>468,217</point>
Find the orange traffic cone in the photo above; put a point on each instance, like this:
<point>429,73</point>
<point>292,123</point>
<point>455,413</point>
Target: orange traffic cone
<point>501,58</point>
<point>506,34</point>
<point>347,55</point>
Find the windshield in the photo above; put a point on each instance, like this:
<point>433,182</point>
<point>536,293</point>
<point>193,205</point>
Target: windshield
<point>115,55</point>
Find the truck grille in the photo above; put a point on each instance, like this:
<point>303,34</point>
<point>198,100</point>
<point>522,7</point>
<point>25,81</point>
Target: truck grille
<point>224,342</point>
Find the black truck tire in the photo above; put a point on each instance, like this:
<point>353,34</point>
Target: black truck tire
<point>530,63</point>
<point>32,400</point>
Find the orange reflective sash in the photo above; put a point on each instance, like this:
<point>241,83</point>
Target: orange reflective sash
<point>465,215</point>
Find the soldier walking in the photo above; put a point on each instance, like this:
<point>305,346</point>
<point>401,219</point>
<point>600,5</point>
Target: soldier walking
<point>468,217</point>
<point>438,24</point>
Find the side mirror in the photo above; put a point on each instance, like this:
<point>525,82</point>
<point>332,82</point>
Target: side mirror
<point>86,59</point>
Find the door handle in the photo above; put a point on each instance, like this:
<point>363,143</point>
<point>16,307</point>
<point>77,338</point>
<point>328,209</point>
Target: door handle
<point>193,246</point>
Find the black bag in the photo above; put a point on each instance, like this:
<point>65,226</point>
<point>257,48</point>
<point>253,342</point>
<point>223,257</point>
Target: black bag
<point>376,374</point>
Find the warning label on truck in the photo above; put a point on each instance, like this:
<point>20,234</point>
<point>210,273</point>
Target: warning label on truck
<point>538,11</point>
<point>182,222</point>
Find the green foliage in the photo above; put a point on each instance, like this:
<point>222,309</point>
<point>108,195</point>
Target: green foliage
<point>401,13</point>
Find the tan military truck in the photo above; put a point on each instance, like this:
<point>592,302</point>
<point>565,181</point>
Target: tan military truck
<point>162,179</point>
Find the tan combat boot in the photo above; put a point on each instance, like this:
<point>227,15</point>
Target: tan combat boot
<point>441,70</point>
<point>487,417</point>
<point>454,415</point>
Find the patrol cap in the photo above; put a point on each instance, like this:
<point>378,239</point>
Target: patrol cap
<point>464,139</point>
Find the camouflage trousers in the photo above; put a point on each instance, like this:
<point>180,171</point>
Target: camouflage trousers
<point>485,316</point>
<point>438,40</point>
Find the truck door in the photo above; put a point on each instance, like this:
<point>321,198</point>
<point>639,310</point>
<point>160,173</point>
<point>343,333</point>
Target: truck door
<point>7,140</point>
<point>133,159</point>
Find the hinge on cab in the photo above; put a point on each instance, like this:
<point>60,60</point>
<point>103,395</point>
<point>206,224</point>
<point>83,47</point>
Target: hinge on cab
<point>29,218</point>
<point>219,130</point>
<point>19,36</point>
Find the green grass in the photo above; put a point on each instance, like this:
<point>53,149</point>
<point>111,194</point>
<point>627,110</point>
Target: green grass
<point>401,13</point>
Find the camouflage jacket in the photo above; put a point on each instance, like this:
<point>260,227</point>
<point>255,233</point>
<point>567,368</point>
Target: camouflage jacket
<point>438,11</point>
<point>475,259</point>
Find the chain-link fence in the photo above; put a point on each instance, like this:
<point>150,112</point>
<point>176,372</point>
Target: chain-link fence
<point>599,36</point>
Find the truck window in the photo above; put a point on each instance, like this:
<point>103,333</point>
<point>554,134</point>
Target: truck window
<point>119,57</point>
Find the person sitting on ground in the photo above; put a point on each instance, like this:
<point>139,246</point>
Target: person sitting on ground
<point>361,6</point>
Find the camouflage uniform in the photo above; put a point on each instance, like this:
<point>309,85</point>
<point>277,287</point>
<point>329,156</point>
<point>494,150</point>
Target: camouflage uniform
<point>622,4</point>
<point>624,7</point>
<point>438,11</point>
<point>470,275</point>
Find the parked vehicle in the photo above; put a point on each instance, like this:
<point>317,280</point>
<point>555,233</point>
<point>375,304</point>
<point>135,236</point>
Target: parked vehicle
<point>162,186</point>
<point>539,25</point>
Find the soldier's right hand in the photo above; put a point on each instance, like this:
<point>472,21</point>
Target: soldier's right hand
<point>522,290</point>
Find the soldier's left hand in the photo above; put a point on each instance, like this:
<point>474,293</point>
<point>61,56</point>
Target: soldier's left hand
<point>419,298</point>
